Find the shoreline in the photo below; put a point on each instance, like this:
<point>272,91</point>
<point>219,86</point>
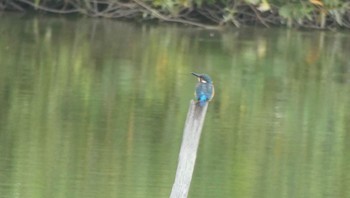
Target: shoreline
<point>311,15</point>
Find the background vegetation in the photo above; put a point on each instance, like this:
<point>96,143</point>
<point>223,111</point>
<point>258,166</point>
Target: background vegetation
<point>318,14</point>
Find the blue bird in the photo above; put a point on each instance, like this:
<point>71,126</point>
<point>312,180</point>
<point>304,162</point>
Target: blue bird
<point>204,89</point>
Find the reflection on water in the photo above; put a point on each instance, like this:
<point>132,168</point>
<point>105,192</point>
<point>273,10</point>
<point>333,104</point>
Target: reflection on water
<point>95,108</point>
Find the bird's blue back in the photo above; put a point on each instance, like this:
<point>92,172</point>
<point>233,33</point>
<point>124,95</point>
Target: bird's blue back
<point>204,92</point>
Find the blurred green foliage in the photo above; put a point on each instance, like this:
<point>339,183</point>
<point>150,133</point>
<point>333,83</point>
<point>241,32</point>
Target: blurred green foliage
<point>306,13</point>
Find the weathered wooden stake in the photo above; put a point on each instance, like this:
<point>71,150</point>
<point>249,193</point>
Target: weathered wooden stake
<point>188,151</point>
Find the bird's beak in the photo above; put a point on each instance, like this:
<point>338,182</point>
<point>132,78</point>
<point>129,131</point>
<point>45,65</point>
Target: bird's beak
<point>196,74</point>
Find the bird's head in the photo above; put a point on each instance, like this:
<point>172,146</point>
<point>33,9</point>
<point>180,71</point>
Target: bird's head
<point>203,78</point>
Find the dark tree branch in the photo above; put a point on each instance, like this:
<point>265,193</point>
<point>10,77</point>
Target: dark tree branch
<point>50,9</point>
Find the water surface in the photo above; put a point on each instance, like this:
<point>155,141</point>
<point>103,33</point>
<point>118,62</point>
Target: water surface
<point>95,108</point>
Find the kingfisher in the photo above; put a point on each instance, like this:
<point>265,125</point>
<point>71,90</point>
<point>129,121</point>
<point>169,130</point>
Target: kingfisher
<point>204,88</point>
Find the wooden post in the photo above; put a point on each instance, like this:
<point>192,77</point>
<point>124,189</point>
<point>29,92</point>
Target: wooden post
<point>188,152</point>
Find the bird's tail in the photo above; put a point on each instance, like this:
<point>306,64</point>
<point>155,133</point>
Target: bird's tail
<point>202,100</point>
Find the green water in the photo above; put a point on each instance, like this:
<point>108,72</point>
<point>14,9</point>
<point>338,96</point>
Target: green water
<point>95,108</point>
